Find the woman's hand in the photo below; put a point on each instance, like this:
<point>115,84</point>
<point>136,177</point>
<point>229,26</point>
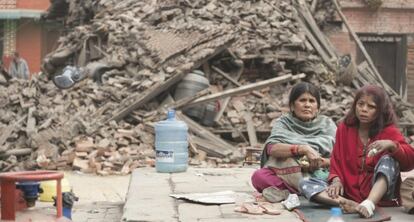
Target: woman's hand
<point>380,146</point>
<point>314,158</point>
<point>335,189</point>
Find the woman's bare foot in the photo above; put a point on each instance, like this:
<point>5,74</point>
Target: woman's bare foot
<point>348,206</point>
<point>362,211</point>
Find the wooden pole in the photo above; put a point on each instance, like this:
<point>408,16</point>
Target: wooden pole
<point>246,88</point>
<point>362,48</point>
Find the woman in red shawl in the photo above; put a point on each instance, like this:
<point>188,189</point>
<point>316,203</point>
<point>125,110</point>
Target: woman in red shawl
<point>367,157</point>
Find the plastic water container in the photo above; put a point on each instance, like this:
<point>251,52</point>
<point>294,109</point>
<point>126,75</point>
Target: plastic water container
<point>171,145</point>
<point>49,189</point>
<point>336,215</point>
<point>189,86</point>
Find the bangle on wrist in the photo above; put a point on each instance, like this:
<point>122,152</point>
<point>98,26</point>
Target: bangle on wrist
<point>336,179</point>
<point>294,150</point>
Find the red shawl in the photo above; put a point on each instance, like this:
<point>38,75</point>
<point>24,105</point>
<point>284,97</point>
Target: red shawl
<point>347,158</point>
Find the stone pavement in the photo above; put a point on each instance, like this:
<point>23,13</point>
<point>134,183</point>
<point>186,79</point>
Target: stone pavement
<point>101,199</point>
<point>148,197</point>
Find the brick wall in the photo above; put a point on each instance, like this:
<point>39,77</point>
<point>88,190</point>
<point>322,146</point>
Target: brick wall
<point>29,38</point>
<point>410,69</point>
<point>383,21</point>
<point>394,17</point>
<point>343,44</point>
<point>7,4</point>
<point>28,44</point>
<point>33,4</point>
<point>385,3</point>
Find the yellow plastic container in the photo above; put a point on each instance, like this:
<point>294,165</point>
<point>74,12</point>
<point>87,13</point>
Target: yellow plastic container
<point>49,189</point>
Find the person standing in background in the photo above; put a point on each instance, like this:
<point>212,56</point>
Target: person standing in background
<point>18,67</point>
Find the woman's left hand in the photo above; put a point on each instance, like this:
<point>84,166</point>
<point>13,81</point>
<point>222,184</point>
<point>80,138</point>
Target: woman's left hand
<point>379,146</point>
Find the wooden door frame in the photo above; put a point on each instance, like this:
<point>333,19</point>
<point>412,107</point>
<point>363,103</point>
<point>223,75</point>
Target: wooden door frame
<point>401,56</point>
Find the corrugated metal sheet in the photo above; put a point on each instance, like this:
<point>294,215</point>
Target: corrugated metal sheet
<point>19,13</point>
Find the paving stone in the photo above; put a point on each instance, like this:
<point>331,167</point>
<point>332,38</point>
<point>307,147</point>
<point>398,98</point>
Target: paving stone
<point>94,220</point>
<point>241,219</point>
<point>144,198</point>
<point>151,194</point>
<point>194,212</point>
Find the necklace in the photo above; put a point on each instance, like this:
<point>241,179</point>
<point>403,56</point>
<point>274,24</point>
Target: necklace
<point>364,138</point>
<point>364,154</point>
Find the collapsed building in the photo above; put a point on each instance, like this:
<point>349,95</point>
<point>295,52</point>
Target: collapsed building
<point>123,64</point>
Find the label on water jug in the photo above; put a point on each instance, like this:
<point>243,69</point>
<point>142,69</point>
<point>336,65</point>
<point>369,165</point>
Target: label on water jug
<point>164,156</point>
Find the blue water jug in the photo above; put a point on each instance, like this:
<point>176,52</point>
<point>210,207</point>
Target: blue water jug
<point>171,145</point>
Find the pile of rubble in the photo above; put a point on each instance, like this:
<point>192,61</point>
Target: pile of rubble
<point>250,51</point>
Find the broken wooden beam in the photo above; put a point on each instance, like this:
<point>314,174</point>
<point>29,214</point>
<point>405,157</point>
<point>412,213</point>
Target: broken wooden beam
<point>209,147</point>
<point>161,87</point>
<point>314,28</point>
<point>361,46</point>
<point>16,152</point>
<point>317,46</point>
<point>184,101</point>
<point>247,88</point>
<point>7,131</point>
<point>237,76</point>
<point>223,147</point>
<point>235,82</point>
<point>251,131</point>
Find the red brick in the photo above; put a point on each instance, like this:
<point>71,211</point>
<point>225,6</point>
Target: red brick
<point>343,43</point>
<point>33,4</point>
<point>28,43</point>
<point>383,21</point>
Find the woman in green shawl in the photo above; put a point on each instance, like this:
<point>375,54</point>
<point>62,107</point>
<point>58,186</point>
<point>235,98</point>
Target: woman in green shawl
<point>299,145</point>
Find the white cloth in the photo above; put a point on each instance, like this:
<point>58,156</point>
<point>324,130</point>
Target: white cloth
<point>19,69</point>
<point>369,205</point>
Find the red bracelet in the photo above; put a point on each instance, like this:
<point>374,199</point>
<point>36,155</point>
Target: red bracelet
<point>294,150</point>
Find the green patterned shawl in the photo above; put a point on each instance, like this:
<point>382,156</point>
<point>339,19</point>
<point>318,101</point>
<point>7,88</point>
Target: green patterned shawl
<point>318,133</point>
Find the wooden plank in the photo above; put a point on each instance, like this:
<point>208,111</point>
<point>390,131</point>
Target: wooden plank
<point>226,101</point>
<point>313,6</point>
<point>31,122</point>
<point>223,107</point>
<point>368,76</point>
<point>161,87</point>
<point>7,131</point>
<point>247,88</point>
<point>212,149</point>
<point>16,152</point>
<point>207,70</point>
<point>184,101</point>
<point>251,131</point>
<point>279,55</point>
<point>325,43</point>
<point>191,146</point>
<point>361,46</point>
<point>224,148</point>
<point>325,57</point>
<point>146,96</point>
<point>235,82</point>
